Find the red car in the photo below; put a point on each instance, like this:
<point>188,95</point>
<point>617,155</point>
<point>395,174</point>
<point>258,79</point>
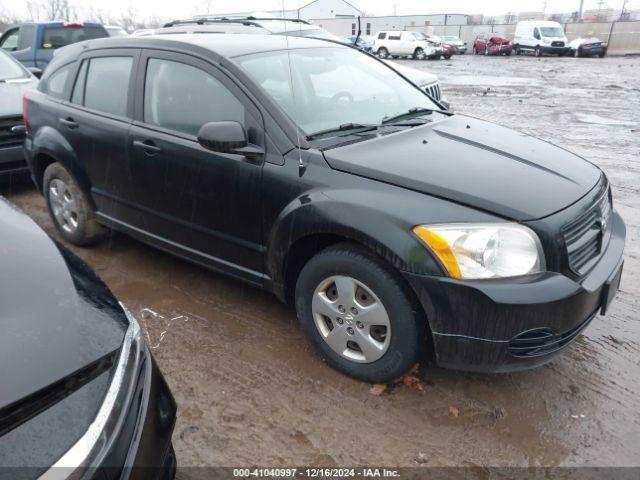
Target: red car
<point>448,50</point>
<point>491,44</point>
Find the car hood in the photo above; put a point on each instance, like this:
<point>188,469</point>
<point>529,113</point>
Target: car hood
<point>11,94</point>
<point>499,40</point>
<point>57,316</point>
<point>473,162</point>
<point>419,77</point>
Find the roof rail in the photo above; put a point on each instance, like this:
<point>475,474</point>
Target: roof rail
<point>204,21</point>
<point>253,18</point>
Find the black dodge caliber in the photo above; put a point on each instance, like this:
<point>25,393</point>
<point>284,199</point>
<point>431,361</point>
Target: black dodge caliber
<point>80,394</point>
<point>321,174</point>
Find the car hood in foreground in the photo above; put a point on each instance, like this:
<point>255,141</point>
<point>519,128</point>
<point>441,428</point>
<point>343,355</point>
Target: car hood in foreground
<point>476,163</point>
<point>11,94</point>
<point>56,316</point>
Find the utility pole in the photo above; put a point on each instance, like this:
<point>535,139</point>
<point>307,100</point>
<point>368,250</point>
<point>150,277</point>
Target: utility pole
<point>624,8</point>
<point>581,9</point>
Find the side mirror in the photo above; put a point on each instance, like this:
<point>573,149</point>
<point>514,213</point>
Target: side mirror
<point>37,72</point>
<point>228,137</point>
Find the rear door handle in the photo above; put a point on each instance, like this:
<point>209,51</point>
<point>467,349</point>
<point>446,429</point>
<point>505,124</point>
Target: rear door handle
<point>148,146</point>
<point>69,122</point>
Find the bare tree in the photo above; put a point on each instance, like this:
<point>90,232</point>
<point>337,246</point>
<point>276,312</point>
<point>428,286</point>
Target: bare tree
<point>33,9</point>
<point>128,19</point>
<point>56,9</point>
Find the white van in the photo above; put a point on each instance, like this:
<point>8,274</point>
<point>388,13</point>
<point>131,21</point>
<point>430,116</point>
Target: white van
<point>540,37</point>
<point>402,44</point>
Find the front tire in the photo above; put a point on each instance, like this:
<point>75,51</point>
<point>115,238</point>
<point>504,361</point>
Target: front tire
<point>419,54</point>
<point>70,208</point>
<point>383,53</point>
<point>353,308</point>
<point>537,52</point>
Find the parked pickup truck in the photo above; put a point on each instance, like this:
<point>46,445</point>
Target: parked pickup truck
<point>33,44</point>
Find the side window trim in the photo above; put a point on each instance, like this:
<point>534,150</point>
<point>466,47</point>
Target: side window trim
<point>193,61</point>
<point>115,52</point>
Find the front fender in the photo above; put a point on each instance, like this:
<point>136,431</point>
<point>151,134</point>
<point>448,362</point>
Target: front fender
<point>354,215</point>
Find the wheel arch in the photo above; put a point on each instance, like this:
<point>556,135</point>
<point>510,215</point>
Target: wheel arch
<point>316,221</point>
<point>49,146</point>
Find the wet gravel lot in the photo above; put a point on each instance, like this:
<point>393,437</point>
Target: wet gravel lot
<point>251,392</point>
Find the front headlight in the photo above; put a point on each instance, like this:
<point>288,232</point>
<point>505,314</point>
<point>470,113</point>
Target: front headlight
<point>473,251</point>
<point>546,40</point>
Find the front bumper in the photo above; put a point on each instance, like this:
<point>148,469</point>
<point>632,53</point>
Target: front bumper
<point>554,50</point>
<point>514,324</point>
<point>500,50</point>
<point>12,160</point>
<point>588,52</point>
<point>461,50</point>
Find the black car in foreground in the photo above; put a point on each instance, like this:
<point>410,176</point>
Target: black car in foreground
<point>81,395</point>
<point>318,172</point>
<point>14,81</point>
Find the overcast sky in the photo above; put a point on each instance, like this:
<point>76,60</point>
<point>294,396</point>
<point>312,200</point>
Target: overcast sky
<point>187,8</point>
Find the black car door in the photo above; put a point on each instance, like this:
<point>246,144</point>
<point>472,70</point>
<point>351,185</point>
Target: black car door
<point>96,120</point>
<point>198,203</point>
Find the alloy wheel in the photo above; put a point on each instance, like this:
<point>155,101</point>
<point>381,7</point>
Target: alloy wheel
<point>63,205</point>
<point>351,319</point>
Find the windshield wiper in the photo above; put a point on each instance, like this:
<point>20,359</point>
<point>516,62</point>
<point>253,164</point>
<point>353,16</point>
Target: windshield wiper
<point>408,113</point>
<point>361,127</point>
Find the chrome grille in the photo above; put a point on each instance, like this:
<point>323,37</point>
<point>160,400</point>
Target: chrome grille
<point>584,236</point>
<point>433,90</point>
<point>7,137</point>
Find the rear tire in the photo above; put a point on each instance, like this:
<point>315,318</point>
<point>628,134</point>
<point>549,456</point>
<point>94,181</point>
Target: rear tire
<point>70,208</point>
<point>353,308</point>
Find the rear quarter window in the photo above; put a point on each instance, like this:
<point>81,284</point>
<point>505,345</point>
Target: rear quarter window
<point>55,84</point>
<point>382,36</point>
<point>57,37</point>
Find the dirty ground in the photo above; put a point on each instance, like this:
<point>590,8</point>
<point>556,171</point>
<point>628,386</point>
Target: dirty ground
<point>251,392</point>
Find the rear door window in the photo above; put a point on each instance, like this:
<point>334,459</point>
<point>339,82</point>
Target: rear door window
<point>183,98</point>
<point>107,85</point>
<point>57,37</point>
<point>394,37</point>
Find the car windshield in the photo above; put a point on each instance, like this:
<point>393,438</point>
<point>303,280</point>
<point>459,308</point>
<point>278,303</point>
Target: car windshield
<point>10,69</point>
<point>551,32</point>
<point>324,88</point>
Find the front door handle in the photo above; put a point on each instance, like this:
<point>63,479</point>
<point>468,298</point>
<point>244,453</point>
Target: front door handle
<point>69,122</point>
<point>148,146</point>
